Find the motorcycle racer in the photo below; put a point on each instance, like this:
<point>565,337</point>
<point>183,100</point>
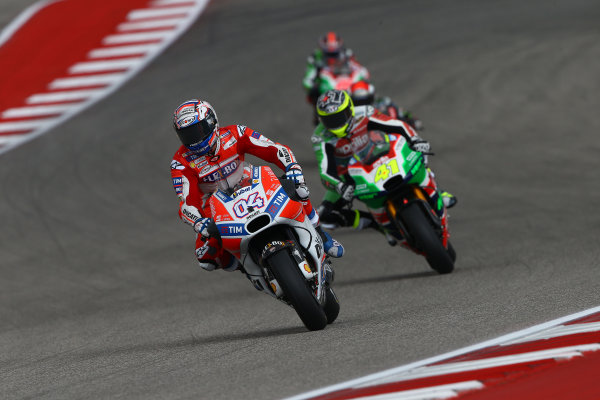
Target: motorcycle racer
<point>209,153</point>
<point>342,132</point>
<point>333,58</point>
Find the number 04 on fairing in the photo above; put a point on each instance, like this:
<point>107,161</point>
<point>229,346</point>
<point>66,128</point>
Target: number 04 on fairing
<point>261,222</point>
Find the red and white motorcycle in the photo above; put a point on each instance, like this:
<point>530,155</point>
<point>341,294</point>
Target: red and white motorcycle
<point>259,220</point>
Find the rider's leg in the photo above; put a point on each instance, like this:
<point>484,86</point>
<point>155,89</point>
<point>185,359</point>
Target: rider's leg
<point>332,246</point>
<point>334,214</point>
<point>212,256</point>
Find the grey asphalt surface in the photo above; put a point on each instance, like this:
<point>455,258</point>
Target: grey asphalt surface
<point>100,296</point>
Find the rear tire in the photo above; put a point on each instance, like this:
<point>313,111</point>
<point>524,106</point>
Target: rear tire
<point>296,290</point>
<point>427,240</point>
<point>332,306</point>
<point>451,252</point>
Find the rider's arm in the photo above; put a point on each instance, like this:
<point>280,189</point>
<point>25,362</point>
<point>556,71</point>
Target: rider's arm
<point>380,121</point>
<point>258,145</point>
<point>313,65</point>
<point>324,152</point>
<point>185,183</point>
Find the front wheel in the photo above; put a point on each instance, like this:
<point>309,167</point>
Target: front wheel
<point>332,305</point>
<point>426,239</point>
<point>296,291</point>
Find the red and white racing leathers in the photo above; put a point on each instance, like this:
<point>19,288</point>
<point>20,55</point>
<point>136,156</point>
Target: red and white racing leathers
<point>194,179</point>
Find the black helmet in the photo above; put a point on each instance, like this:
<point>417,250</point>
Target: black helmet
<point>335,110</point>
<point>196,124</point>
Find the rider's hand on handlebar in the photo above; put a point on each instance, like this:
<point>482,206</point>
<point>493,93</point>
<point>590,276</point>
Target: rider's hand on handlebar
<point>294,173</point>
<point>346,191</point>
<point>204,226</point>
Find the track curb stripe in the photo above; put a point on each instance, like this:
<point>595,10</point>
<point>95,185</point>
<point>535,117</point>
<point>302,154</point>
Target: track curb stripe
<point>528,353</point>
<point>124,49</point>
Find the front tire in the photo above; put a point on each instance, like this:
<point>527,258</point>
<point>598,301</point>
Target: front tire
<point>296,290</point>
<point>332,306</point>
<point>426,239</point>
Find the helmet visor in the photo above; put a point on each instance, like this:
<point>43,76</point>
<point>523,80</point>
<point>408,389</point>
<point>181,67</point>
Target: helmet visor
<point>199,131</point>
<point>337,120</point>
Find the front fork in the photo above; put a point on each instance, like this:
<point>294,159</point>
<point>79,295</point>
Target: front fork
<point>416,194</point>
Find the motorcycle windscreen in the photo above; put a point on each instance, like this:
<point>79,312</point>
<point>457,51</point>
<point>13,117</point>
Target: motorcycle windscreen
<point>376,144</point>
<point>234,176</point>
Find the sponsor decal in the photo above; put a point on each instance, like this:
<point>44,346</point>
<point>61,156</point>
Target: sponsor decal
<point>252,215</point>
<point>242,129</point>
<point>186,121</point>
<point>255,135</point>
<point>277,203</point>
<point>284,154</point>
<point>343,149</point>
<point>222,197</point>
<point>189,214</point>
<point>240,191</point>
<point>178,185</point>
<point>223,172</point>
<point>176,165</point>
<point>360,141</point>
<point>192,159</point>
<point>231,229</point>
<point>229,143</point>
<point>206,169</point>
<point>306,267</point>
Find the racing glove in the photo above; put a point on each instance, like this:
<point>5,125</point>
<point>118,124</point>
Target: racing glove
<point>204,226</point>
<point>346,191</point>
<point>294,173</point>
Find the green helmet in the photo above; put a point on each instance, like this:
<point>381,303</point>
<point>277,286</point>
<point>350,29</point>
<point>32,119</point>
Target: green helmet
<point>335,110</point>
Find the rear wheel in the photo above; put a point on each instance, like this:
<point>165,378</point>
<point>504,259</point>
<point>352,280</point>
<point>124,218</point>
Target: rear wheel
<point>296,290</point>
<point>427,240</point>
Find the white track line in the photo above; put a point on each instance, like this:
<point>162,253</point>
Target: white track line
<point>160,23</point>
<point>408,367</point>
<point>171,2</point>
<point>117,51</point>
<point>492,362</point>
<point>429,393</point>
<point>25,125</point>
<point>137,37</point>
<point>35,111</point>
<point>57,97</point>
<point>82,81</point>
<point>156,12</point>
<point>108,65</point>
<point>21,19</point>
<point>562,330</point>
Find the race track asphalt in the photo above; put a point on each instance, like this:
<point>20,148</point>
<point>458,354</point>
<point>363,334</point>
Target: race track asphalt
<point>100,295</point>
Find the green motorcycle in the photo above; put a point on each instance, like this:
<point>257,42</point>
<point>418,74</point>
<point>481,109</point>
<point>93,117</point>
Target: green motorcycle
<point>388,174</point>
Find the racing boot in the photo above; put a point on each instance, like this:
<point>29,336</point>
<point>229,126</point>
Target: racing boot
<point>332,247</point>
<point>360,219</point>
<point>449,199</point>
